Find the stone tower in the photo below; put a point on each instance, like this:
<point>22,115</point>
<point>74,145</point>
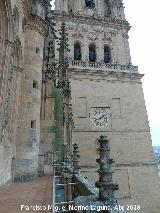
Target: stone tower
<point>28,121</point>
<point>23,31</point>
<point>107,98</point>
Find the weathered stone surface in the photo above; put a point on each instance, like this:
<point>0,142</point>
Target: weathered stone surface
<point>27,104</point>
<point>116,86</point>
<point>22,43</point>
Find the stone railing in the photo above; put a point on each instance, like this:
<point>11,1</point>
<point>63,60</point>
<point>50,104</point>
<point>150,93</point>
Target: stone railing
<point>99,66</point>
<point>102,66</point>
<point>81,194</point>
<point>84,187</point>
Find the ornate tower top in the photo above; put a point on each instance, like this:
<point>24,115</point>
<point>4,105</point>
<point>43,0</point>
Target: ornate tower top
<point>108,8</point>
<point>97,34</point>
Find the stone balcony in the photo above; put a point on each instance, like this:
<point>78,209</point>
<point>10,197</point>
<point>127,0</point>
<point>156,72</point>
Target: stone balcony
<point>101,66</point>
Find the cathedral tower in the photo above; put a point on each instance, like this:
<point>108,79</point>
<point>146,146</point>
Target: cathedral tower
<point>107,98</point>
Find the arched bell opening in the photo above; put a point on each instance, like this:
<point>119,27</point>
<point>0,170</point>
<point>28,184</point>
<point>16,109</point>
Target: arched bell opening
<point>77,51</point>
<point>92,53</point>
<point>107,54</point>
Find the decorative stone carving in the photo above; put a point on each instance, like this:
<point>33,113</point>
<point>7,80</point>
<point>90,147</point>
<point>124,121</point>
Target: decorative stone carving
<point>76,157</point>
<point>92,36</point>
<point>8,94</point>
<point>10,72</point>
<point>107,36</point>
<point>84,29</point>
<point>125,35</point>
<point>105,184</point>
<point>67,154</point>
<point>77,35</point>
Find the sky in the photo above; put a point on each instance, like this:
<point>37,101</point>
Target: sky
<point>144,39</point>
<point>144,42</point>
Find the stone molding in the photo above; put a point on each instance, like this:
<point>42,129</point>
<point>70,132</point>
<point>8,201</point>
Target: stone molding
<point>38,24</point>
<point>126,130</point>
<point>102,66</point>
<point>114,76</point>
<point>91,19</point>
<point>118,165</point>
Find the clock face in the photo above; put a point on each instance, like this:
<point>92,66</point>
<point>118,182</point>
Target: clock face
<point>100,116</point>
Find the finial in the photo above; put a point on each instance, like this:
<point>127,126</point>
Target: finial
<point>105,184</point>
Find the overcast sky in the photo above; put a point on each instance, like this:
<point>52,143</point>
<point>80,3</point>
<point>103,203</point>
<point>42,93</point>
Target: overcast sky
<point>144,17</point>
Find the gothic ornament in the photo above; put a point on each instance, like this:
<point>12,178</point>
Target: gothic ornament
<point>105,184</point>
<point>92,36</point>
<point>107,37</point>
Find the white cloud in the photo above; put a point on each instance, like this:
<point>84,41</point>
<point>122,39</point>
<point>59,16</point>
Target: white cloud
<point>53,1</point>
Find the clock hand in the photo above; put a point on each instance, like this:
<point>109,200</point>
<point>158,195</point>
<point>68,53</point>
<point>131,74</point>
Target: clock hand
<point>100,117</point>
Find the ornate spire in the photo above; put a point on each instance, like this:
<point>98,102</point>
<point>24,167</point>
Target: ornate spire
<point>66,154</point>
<point>63,49</point>
<point>49,56</point>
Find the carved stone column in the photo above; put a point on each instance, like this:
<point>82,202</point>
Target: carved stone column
<point>105,184</point>
<point>67,154</point>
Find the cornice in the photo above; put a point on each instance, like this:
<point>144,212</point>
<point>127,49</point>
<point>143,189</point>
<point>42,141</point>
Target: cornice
<point>104,75</point>
<point>117,131</point>
<point>95,19</point>
<point>85,69</point>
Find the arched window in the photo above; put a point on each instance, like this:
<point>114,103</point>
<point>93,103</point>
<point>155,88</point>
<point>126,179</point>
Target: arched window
<point>92,53</point>
<point>77,51</point>
<point>107,54</point>
<point>90,3</point>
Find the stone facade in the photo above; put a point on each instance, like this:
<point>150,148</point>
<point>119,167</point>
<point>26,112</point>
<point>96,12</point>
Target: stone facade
<point>107,94</point>
<point>22,32</point>
<point>114,90</point>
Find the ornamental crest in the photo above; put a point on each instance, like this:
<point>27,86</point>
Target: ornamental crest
<point>107,36</point>
<point>92,36</point>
